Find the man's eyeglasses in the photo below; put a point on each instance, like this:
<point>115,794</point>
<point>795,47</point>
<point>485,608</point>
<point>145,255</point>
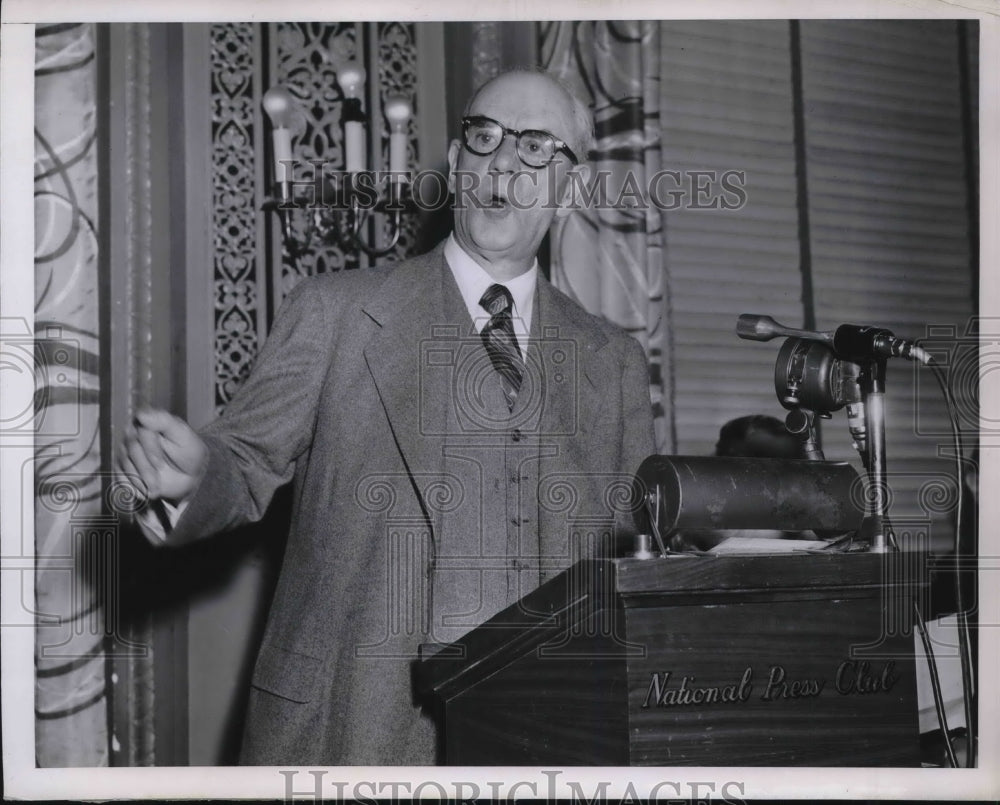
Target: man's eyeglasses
<point>536,149</point>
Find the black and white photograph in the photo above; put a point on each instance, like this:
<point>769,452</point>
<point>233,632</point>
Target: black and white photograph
<point>438,402</point>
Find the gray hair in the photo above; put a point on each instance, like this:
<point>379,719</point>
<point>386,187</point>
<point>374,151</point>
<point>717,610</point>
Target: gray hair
<point>583,118</point>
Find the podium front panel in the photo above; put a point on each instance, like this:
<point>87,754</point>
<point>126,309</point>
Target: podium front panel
<point>786,660</point>
<point>771,683</point>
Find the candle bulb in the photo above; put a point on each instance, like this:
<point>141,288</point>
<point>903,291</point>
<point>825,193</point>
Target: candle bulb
<point>398,112</point>
<point>351,77</point>
<point>279,105</point>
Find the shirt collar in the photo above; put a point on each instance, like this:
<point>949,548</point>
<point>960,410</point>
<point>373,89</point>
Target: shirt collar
<point>473,280</point>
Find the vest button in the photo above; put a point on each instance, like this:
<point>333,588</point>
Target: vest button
<point>516,435</point>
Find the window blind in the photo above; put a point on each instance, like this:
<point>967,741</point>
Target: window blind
<point>885,214</point>
<point>889,226</point>
<point>726,104</point>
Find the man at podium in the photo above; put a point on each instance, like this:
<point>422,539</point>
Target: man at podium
<point>441,422</point>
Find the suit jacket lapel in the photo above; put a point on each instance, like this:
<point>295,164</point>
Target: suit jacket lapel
<point>569,346</point>
<point>570,413</point>
<point>410,313</point>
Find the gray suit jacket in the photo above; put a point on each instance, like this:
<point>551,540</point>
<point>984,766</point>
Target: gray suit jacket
<point>370,395</point>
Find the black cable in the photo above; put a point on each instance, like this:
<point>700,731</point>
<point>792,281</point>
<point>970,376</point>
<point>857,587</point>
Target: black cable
<point>935,686</point>
<point>968,690</point>
<point>968,682</point>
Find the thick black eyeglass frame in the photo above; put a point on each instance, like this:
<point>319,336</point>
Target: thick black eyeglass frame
<point>560,145</point>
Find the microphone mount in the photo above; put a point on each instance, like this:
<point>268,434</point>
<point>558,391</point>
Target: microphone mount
<point>817,373</point>
<point>850,342</point>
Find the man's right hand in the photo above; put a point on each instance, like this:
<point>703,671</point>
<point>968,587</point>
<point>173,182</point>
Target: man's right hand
<point>165,453</point>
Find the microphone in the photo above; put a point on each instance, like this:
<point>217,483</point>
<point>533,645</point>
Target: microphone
<point>857,343</point>
<point>763,328</point>
<point>851,342</point>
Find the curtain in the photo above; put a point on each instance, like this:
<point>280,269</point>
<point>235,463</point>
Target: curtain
<point>73,545</point>
<point>608,256</point>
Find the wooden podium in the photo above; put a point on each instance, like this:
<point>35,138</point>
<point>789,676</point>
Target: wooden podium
<point>756,660</point>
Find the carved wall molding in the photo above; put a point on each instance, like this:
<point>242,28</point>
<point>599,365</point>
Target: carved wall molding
<point>303,57</point>
<point>132,366</point>
<point>235,92</point>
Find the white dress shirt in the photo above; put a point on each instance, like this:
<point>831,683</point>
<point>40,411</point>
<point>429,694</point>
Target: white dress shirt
<point>473,280</point>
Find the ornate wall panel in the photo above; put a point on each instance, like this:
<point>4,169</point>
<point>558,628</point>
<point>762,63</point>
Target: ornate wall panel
<point>303,57</point>
<point>306,54</point>
<point>235,92</point>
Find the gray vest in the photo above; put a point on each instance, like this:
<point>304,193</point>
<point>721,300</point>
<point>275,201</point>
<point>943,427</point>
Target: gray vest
<point>487,556</point>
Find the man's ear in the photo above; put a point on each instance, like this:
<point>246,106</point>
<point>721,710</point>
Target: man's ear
<point>576,177</point>
<point>453,150</point>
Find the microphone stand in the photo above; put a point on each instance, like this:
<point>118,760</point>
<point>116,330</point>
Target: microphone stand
<point>872,383</point>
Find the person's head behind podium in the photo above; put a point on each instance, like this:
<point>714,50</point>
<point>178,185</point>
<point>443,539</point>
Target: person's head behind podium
<point>523,134</point>
<point>753,436</point>
<point>758,436</point>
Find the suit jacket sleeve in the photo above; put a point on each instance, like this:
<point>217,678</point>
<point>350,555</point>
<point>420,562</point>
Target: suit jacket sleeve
<point>268,425</point>
<point>638,441</point>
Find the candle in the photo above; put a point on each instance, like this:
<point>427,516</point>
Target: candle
<point>282,139</point>
<point>398,112</point>
<point>351,77</point>
<point>354,146</point>
<point>279,105</point>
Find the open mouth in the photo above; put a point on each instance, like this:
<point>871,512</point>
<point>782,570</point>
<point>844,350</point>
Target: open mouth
<point>497,202</point>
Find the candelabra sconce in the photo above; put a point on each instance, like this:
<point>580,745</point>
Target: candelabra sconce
<point>338,204</point>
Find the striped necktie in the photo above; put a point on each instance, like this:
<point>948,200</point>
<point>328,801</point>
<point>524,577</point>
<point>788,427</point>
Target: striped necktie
<point>500,342</point>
